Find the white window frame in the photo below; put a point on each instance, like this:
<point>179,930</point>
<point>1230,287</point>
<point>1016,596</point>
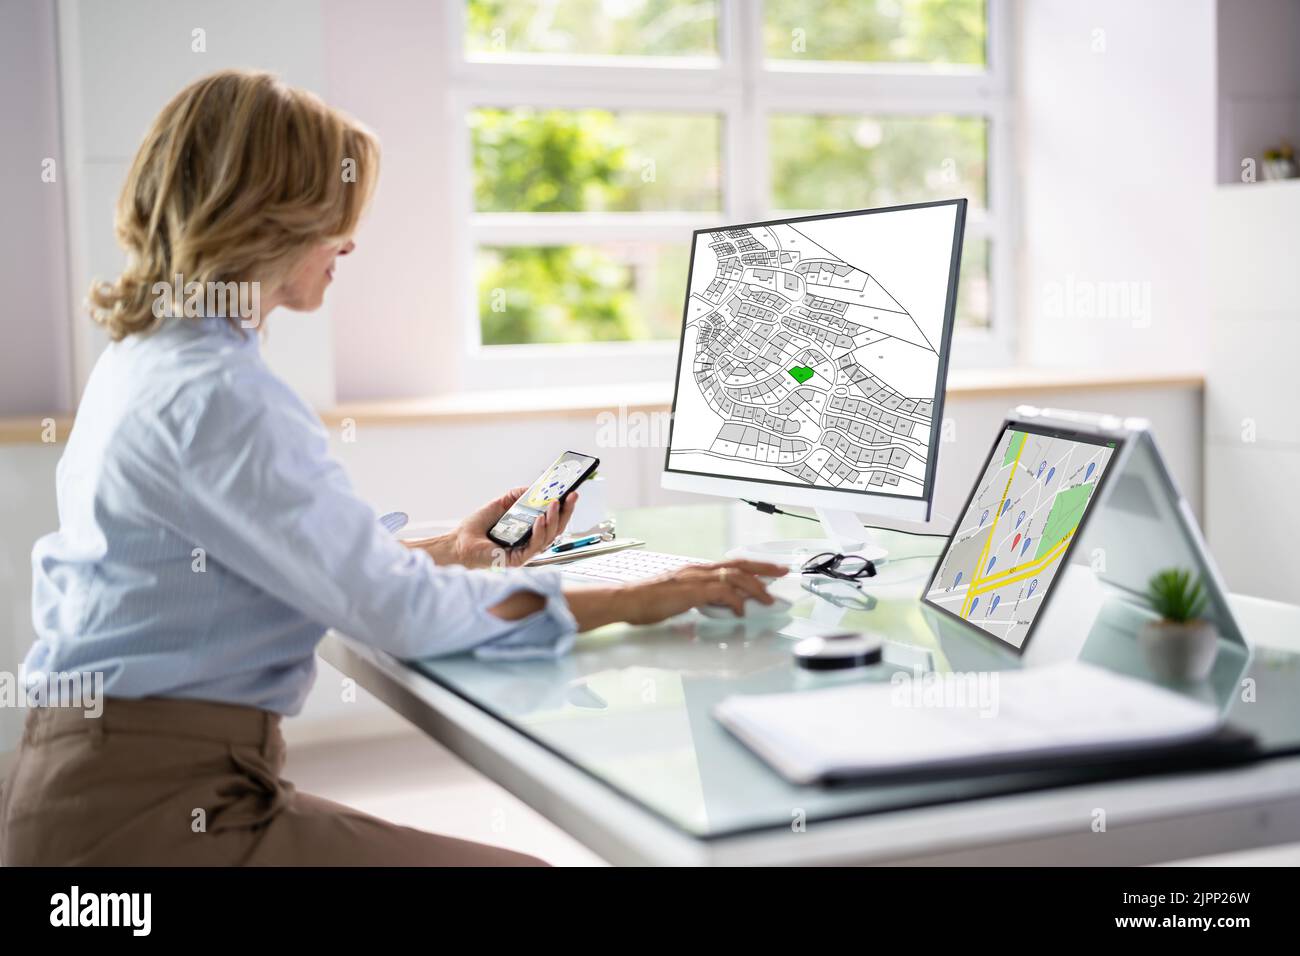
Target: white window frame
<point>742,89</point>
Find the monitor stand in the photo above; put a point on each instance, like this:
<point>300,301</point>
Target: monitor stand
<point>845,534</point>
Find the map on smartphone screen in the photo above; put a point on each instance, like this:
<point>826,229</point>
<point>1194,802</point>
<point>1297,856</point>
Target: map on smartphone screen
<point>554,483</point>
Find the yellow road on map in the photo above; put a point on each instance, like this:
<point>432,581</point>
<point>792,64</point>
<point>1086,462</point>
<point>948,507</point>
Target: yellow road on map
<point>1022,571</point>
<point>984,552</point>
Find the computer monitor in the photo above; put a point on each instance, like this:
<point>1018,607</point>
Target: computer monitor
<point>813,361</point>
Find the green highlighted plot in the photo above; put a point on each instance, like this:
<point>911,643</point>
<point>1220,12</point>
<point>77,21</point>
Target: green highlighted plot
<point>1013,448</point>
<point>801,373</point>
<point>1067,512</point>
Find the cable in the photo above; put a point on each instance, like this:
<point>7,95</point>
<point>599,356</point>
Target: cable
<point>770,509</point>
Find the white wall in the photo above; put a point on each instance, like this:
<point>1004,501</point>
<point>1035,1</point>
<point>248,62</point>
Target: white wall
<point>388,69</point>
<point>35,365</point>
<point>1252,450</point>
<point>121,62</point>
<point>1117,105</point>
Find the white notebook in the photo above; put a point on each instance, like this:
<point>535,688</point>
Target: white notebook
<point>931,721</point>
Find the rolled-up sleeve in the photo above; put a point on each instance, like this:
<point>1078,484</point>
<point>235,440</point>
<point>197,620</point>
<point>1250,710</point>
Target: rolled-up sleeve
<point>265,498</point>
<point>545,633</point>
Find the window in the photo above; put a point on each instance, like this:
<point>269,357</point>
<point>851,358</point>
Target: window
<point>596,135</point>
<point>923,33</point>
<point>593,28</point>
<point>542,161</point>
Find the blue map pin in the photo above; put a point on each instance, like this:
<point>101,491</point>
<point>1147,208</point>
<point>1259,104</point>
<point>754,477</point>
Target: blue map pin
<point>1006,506</point>
<point>973,605</point>
<point>1019,518</point>
<point>1088,474</point>
<point>993,606</point>
<point>1050,473</point>
<point>1032,584</point>
<point>955,581</point>
<point>984,517</point>
<point>1040,469</point>
<point>992,561</point>
<point>1025,547</point>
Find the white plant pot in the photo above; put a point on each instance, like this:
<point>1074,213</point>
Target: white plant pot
<point>1179,652</point>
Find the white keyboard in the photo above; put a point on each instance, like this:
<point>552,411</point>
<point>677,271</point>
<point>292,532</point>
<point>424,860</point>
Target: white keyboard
<point>625,567</point>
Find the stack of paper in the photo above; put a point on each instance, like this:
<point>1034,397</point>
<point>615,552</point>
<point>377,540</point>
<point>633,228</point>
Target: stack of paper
<point>929,721</point>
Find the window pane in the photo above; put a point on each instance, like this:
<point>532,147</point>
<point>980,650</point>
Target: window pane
<point>529,160</point>
<point>592,27</point>
<point>973,300</point>
<point>611,291</point>
<point>856,162</point>
<point>926,32</point>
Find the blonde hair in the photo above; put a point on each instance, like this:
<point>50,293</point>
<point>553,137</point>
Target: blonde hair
<point>238,176</point>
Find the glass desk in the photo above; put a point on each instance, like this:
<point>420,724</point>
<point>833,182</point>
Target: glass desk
<point>630,708</point>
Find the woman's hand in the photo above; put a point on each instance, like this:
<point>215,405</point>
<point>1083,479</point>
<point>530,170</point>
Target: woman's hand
<point>470,546</point>
<point>728,584</point>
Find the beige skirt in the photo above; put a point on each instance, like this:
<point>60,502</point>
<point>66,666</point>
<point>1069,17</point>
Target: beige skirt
<point>191,783</point>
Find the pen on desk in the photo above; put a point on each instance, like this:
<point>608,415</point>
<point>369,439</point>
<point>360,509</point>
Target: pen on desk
<point>575,543</point>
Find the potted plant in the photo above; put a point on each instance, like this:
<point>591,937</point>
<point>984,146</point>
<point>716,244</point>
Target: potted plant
<point>1279,163</point>
<point>1180,646</point>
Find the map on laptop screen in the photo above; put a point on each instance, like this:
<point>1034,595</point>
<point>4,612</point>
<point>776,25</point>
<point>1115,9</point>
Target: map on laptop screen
<point>1017,528</point>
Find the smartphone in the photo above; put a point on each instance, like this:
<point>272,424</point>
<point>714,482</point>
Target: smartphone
<point>516,525</point>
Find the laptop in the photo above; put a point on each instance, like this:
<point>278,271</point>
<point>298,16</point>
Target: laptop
<point>1068,519</point>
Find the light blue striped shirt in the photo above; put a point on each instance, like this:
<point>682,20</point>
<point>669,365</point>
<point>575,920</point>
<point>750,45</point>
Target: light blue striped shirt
<point>207,540</point>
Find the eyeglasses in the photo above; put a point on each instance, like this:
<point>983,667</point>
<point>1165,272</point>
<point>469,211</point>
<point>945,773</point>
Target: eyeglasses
<point>843,594</point>
<point>845,567</point>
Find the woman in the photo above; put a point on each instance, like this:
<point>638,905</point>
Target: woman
<point>207,540</point>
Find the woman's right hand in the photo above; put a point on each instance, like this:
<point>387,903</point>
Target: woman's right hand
<point>728,584</point>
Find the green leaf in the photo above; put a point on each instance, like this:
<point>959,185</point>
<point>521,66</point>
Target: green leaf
<point>1175,595</point>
